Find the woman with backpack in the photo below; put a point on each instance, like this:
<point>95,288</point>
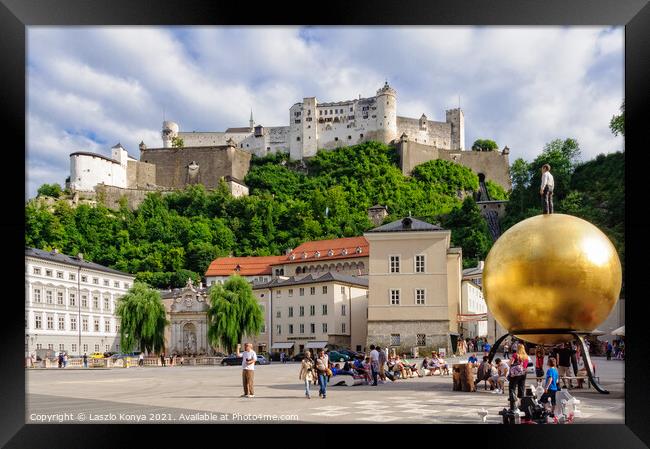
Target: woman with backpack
<point>307,372</point>
<point>517,375</point>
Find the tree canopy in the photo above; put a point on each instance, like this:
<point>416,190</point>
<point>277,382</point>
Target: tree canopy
<point>484,145</point>
<point>233,313</point>
<point>617,124</point>
<point>142,319</point>
<point>53,190</point>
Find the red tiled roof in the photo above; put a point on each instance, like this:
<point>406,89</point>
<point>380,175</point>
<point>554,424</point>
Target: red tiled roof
<point>344,248</point>
<point>248,266</point>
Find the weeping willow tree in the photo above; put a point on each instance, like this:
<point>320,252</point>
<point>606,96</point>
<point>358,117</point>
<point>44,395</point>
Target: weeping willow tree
<point>233,313</point>
<point>142,319</point>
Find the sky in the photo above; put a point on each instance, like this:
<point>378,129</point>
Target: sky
<point>89,88</point>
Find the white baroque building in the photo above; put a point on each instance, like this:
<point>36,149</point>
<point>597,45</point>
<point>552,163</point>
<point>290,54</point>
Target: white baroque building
<point>313,125</point>
<point>68,299</point>
<point>89,169</point>
<point>473,303</point>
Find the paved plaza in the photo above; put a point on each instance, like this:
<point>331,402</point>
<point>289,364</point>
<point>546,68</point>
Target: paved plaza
<point>211,394</point>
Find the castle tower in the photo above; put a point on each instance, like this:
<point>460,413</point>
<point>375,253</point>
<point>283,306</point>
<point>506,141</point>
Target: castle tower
<point>251,122</point>
<point>386,114</point>
<point>456,118</point>
<point>119,154</point>
<point>169,131</point>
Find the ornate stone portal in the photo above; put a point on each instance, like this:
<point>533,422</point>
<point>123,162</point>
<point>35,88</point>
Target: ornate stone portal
<point>188,329</point>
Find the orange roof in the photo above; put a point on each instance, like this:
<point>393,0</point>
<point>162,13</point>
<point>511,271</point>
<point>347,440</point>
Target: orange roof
<point>248,266</point>
<point>344,248</point>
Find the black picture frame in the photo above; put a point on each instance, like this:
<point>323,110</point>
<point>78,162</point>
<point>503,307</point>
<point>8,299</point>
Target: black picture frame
<point>16,15</point>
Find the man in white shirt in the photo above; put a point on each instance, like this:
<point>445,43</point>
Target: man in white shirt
<point>499,380</point>
<point>546,189</point>
<point>374,364</point>
<point>249,357</point>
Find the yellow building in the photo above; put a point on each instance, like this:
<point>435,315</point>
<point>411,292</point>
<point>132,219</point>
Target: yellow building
<point>414,284</point>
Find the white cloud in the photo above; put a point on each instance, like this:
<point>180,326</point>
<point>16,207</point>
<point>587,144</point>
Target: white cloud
<point>89,88</point>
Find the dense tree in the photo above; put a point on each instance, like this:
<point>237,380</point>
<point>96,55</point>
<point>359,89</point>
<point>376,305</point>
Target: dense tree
<point>53,190</point>
<point>233,313</point>
<point>469,231</point>
<point>142,320</point>
<point>617,124</point>
<point>484,145</point>
<point>178,142</point>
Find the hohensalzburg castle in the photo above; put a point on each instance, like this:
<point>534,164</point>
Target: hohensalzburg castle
<point>313,126</point>
<point>208,157</point>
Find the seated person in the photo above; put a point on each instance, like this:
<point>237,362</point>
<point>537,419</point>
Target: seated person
<point>336,370</point>
<point>412,367</point>
<point>434,365</point>
<point>440,364</point>
<point>484,371</point>
<point>400,368</point>
<point>347,366</point>
<point>499,380</point>
<point>425,366</point>
<point>367,370</point>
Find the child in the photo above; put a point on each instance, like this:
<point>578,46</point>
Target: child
<point>551,384</point>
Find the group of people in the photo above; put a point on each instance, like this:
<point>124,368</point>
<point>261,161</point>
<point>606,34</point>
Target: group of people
<point>617,349</point>
<point>475,344</point>
<point>173,359</point>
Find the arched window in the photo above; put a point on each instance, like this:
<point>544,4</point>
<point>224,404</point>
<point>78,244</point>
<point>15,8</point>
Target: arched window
<point>298,270</point>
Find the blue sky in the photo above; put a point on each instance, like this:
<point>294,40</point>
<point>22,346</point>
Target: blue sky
<point>91,87</point>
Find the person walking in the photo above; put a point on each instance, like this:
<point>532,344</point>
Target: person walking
<point>162,358</point>
<point>546,189</point>
<point>564,363</point>
<point>322,369</point>
<point>506,350</point>
<point>374,364</point>
<point>608,350</point>
<point>249,357</point>
<point>85,360</point>
<point>141,360</point>
<point>382,365</point>
<point>65,359</point>
<point>307,372</point>
<point>551,384</point>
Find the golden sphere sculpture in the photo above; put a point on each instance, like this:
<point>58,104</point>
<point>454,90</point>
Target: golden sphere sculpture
<point>552,271</point>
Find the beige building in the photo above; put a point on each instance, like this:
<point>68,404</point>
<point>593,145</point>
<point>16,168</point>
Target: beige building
<point>414,283</point>
<point>312,311</point>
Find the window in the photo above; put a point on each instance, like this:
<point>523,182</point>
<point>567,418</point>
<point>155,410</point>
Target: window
<point>72,299</point>
<point>37,322</point>
<point>290,311</point>
<point>72,276</point>
<point>290,292</point>
<point>61,347</point>
<point>84,279</point>
<point>324,309</point>
<point>37,295</point>
<point>59,298</point>
<point>302,310</point>
<point>95,302</point>
<point>312,328</point>
<point>50,322</point>
<point>107,347</point>
<point>419,263</point>
<point>394,296</point>
<point>349,137</point>
<point>419,296</point>
<point>324,289</point>
<point>59,274</point>
<point>84,301</point>
<point>324,328</point>
<point>312,310</point>
<point>278,329</point>
<point>39,346</point>
<point>96,348</point>
<point>343,290</point>
<point>107,283</point>
<point>48,273</point>
<point>74,347</point>
<point>297,139</point>
<point>48,296</point>
<point>312,290</point>
<point>107,305</point>
<point>291,329</point>
<point>278,314</point>
<point>421,340</point>
<point>336,139</point>
<point>302,328</point>
<point>116,284</point>
<point>37,270</point>
<point>302,291</point>
<point>50,346</point>
<point>263,329</point>
<point>61,323</point>
<point>361,135</point>
<point>127,285</point>
<point>394,340</point>
<point>85,347</point>
<point>394,264</point>
<point>278,293</point>
<point>107,326</point>
<point>96,281</point>
<point>343,310</point>
<point>84,324</point>
<point>343,327</point>
<point>117,328</point>
<point>73,324</point>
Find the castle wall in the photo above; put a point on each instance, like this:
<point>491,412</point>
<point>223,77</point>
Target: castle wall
<point>493,164</point>
<point>214,163</point>
<point>437,134</point>
<point>237,190</point>
<point>110,196</point>
<point>88,170</point>
<point>210,139</point>
<point>140,174</point>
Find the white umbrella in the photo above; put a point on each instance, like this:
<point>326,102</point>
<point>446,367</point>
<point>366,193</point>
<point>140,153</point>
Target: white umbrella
<point>619,331</point>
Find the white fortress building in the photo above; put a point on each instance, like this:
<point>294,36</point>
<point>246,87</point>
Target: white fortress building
<point>313,126</point>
